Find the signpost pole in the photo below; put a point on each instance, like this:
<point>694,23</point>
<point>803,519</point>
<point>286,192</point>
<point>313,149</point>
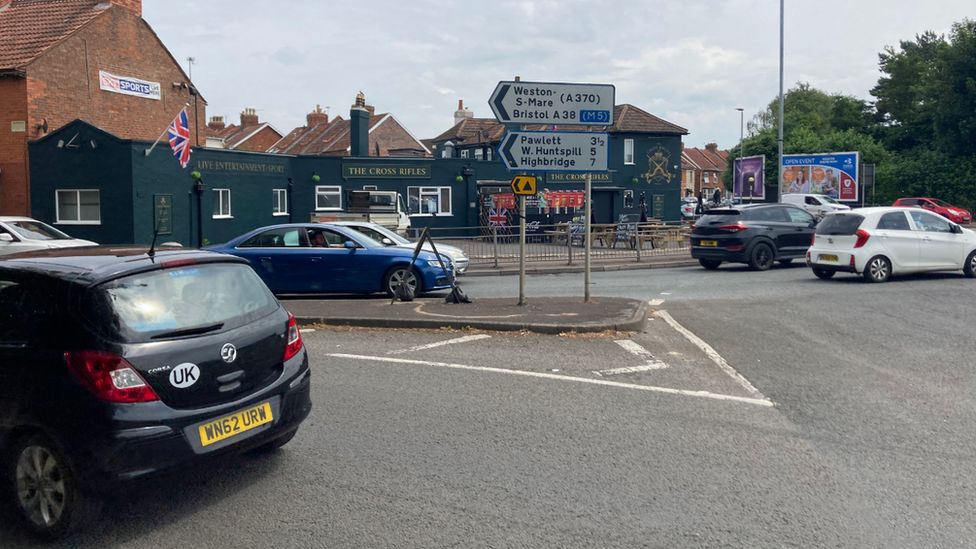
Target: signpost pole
<point>521,300</point>
<point>588,238</point>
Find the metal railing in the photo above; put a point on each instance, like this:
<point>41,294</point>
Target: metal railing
<point>564,242</point>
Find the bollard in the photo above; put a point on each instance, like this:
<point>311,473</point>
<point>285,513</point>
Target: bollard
<point>494,239</point>
<point>569,242</point>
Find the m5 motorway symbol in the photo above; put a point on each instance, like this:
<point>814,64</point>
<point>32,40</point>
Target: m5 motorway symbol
<point>555,151</point>
<point>553,103</point>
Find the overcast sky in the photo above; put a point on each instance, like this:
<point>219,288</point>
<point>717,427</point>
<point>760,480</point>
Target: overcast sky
<point>690,62</point>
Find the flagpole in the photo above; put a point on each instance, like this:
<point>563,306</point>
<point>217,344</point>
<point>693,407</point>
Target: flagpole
<point>160,138</point>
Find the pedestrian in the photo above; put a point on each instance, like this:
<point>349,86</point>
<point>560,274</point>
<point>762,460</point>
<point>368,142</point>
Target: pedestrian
<point>717,198</point>
<point>700,207</point>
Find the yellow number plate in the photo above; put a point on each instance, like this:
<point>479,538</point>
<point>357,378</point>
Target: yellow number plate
<point>235,424</point>
<point>831,258</point>
<point>709,243</point>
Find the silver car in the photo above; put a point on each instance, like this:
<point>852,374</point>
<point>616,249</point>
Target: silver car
<point>390,238</point>
<point>23,234</point>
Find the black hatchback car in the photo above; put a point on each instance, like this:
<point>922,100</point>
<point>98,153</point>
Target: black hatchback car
<point>757,234</point>
<point>116,364</point>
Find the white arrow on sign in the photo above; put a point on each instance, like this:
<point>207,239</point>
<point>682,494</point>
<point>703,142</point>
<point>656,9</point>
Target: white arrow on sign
<point>553,103</point>
<point>554,151</point>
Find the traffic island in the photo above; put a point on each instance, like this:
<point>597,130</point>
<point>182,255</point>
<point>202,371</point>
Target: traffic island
<point>546,315</point>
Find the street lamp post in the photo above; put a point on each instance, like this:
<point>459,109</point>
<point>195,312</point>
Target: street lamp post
<point>779,140</point>
<point>742,121</point>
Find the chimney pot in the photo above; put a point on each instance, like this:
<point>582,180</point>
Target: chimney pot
<point>249,117</point>
<point>316,117</point>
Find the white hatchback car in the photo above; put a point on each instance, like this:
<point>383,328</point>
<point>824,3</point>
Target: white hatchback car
<point>389,238</point>
<point>23,234</point>
<point>818,205</point>
<point>879,242</point>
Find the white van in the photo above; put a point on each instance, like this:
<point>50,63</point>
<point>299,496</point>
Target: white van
<point>817,204</point>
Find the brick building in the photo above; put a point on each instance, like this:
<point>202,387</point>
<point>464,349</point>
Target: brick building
<point>321,136</point>
<point>701,169</point>
<point>95,60</point>
<point>251,135</point>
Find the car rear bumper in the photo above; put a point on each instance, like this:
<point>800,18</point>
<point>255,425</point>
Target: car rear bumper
<point>134,448</point>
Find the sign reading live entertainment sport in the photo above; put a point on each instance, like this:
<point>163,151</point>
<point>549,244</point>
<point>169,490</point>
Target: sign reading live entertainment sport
<point>127,85</point>
<point>831,174</point>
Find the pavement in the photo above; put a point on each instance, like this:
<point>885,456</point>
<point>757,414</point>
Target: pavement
<point>546,315</point>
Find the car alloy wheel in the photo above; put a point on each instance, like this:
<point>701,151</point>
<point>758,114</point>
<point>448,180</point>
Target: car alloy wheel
<point>761,258</point>
<point>878,269</point>
<point>970,266</point>
<point>402,275</point>
<point>40,486</point>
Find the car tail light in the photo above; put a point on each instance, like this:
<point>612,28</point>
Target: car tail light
<point>174,263</point>
<point>109,377</point>
<point>852,261</point>
<point>733,228</point>
<point>294,345</point>
<point>862,238</point>
<point>813,239</point>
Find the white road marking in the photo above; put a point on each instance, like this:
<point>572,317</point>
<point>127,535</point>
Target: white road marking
<point>655,302</point>
<point>464,339</point>
<point>306,330</point>
<point>634,348</point>
<point>712,354</point>
<point>542,375</point>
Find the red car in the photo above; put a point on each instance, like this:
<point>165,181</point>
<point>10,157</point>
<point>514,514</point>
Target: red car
<point>934,205</point>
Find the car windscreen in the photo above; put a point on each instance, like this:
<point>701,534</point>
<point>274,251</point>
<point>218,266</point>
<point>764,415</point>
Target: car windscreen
<point>828,199</point>
<point>942,203</point>
<point>178,302</point>
<point>35,230</point>
<point>718,217</point>
<point>840,224</point>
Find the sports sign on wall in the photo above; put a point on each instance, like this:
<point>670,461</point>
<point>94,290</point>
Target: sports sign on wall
<point>127,85</point>
<point>832,174</point>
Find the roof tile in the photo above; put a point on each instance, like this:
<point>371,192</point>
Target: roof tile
<point>29,27</point>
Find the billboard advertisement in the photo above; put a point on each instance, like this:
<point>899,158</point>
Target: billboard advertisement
<point>832,174</point>
<point>748,179</point>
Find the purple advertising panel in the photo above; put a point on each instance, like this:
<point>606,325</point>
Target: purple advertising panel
<point>748,180</point>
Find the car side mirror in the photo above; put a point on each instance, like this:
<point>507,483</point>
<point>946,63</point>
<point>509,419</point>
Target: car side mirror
<point>6,237</point>
<point>349,245</point>
<point>386,241</point>
<point>957,229</point>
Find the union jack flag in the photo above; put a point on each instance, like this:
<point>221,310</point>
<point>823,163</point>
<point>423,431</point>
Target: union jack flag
<point>497,218</point>
<point>179,138</point>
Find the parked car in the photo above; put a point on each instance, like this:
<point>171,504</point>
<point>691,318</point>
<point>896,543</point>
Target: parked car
<point>818,205</point>
<point>115,365</point>
<point>387,237</point>
<point>23,234</point>
<point>320,258</point>
<point>941,207</point>
<point>688,206</point>
<point>880,242</point>
<point>757,234</point>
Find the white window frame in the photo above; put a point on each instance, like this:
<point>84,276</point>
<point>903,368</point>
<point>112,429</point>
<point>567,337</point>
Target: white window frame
<point>479,154</point>
<point>219,195</point>
<point>629,152</point>
<point>444,207</point>
<point>328,189</point>
<point>488,153</point>
<point>78,221</point>
<point>464,153</point>
<point>279,202</point>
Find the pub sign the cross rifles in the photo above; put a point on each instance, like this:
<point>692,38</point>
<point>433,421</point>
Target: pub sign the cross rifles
<point>659,166</point>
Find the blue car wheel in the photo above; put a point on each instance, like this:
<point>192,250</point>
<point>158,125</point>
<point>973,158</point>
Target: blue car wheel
<point>401,275</point>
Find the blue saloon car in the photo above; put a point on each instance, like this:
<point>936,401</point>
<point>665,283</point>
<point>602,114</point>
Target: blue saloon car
<point>318,258</point>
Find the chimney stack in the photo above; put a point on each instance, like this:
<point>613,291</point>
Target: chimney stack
<point>216,123</point>
<point>316,117</point>
<point>359,127</point>
<point>712,147</point>
<point>249,117</point>
<point>462,112</point>
<point>134,6</point>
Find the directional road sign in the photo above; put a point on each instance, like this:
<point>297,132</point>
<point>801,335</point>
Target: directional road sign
<point>524,185</point>
<point>553,103</point>
<point>554,151</point>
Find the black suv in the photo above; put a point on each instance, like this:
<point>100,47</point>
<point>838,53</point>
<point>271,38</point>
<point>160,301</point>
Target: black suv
<point>757,234</point>
<point>117,363</point>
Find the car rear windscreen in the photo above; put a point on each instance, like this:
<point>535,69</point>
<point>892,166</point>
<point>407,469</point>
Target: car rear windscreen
<point>840,224</point>
<point>180,301</point>
<point>718,217</point>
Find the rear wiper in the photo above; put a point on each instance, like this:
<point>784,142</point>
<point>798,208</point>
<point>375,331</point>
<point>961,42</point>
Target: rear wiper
<point>189,331</point>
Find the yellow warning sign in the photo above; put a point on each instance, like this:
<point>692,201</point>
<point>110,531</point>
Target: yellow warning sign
<point>523,185</point>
